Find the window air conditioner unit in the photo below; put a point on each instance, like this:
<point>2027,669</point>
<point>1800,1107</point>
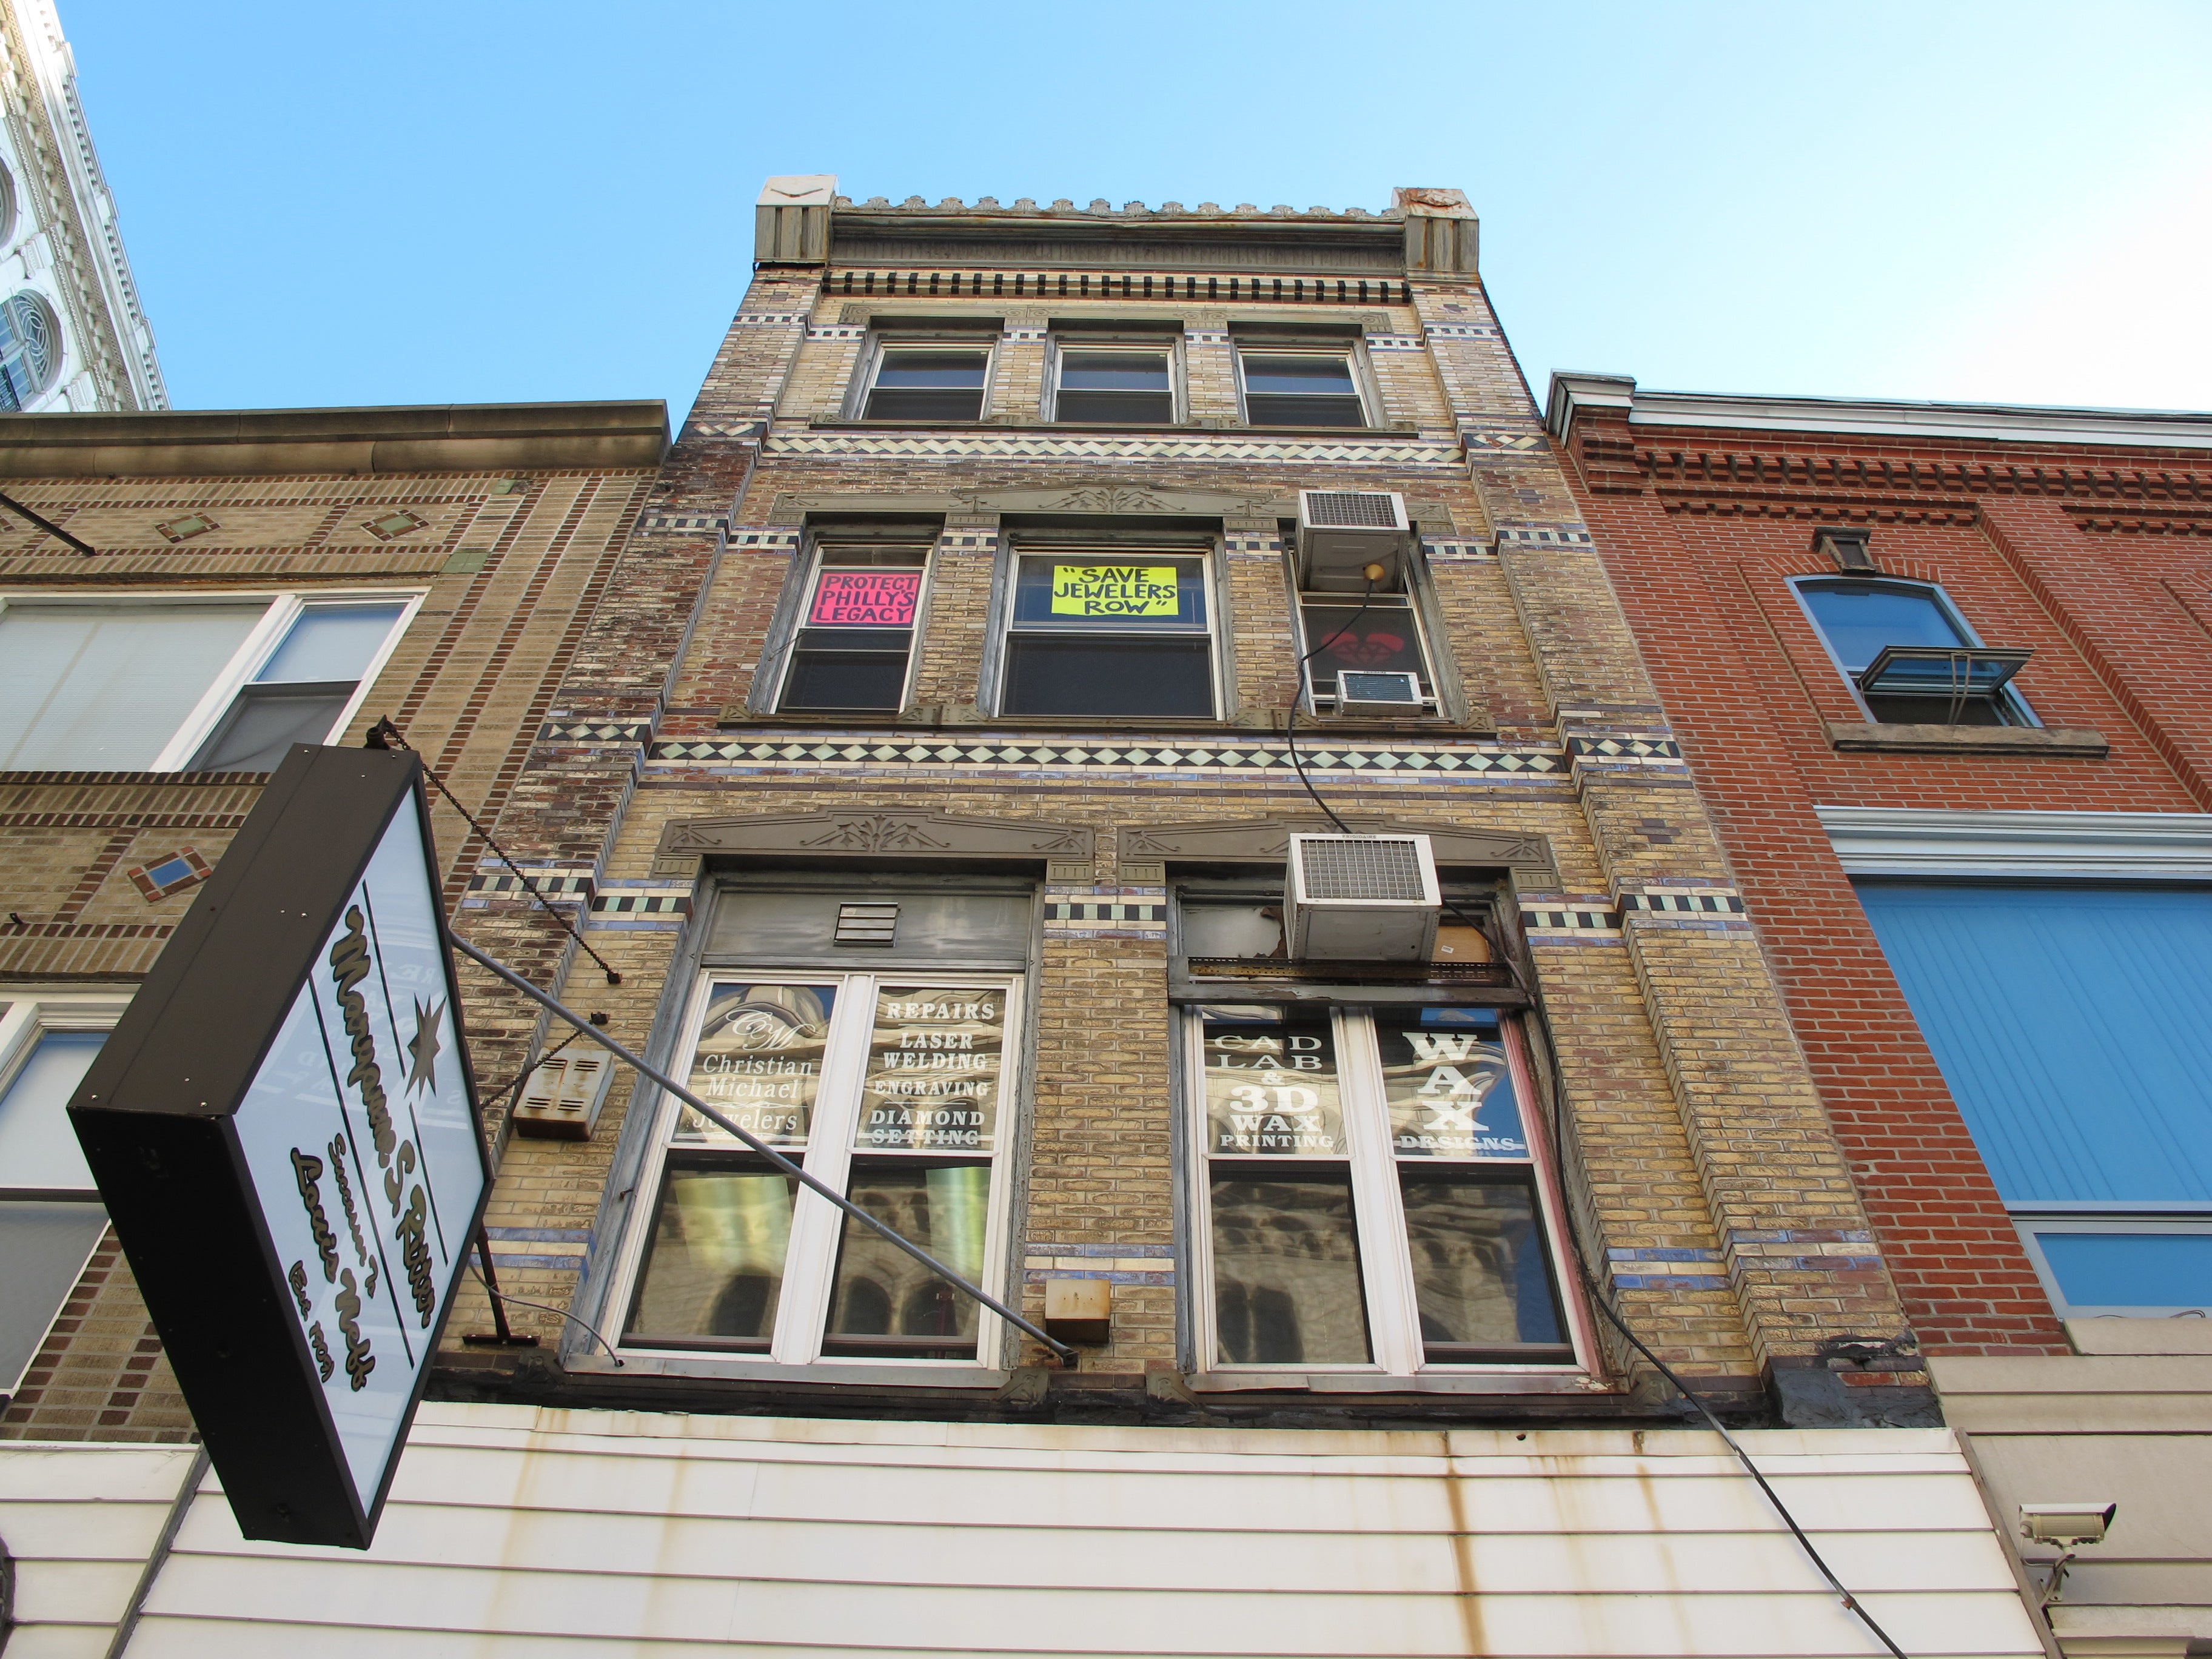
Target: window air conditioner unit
<point>1392,695</point>
<point>1342,531</point>
<point>1362,898</point>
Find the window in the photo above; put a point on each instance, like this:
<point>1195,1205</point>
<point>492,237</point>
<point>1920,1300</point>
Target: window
<point>891,1087</point>
<point>1382,637</point>
<point>928,380</point>
<point>30,351</point>
<point>224,684</point>
<point>51,1219</point>
<point>1372,1197</point>
<point>1120,633</point>
<point>1300,386</point>
<point>2067,1019</point>
<point>854,645</point>
<point>1131,385</point>
<point>1935,672</point>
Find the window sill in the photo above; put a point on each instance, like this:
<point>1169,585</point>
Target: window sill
<point>727,1367</point>
<point>1486,1382</point>
<point>1867,738</point>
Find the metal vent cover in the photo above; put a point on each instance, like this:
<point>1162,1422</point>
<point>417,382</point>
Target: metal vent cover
<point>866,924</point>
<point>1352,509</point>
<point>1383,868</point>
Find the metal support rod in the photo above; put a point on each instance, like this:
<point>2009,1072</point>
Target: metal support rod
<point>491,1285</point>
<point>655,1075</point>
<point>48,526</point>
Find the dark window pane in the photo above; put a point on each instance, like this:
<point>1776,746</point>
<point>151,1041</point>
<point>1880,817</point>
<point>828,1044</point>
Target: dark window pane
<point>1937,711</point>
<point>1482,1279</point>
<point>1079,674</point>
<point>715,1265</point>
<point>1862,617</point>
<point>846,679</point>
<point>1299,376</point>
<point>45,1246</point>
<point>929,386</point>
<point>1127,408</point>
<point>1286,1270</point>
<point>1304,412</point>
<point>885,1304</point>
<point>1113,371</point>
<point>1382,641</point>
<point>266,720</point>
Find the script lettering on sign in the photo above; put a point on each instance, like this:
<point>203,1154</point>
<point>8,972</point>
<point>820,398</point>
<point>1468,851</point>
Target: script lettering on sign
<point>933,1069</point>
<point>865,598</point>
<point>1271,1086</point>
<point>758,1060</point>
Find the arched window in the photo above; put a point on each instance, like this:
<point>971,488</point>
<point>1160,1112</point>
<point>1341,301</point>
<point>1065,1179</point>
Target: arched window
<point>30,349</point>
<point>1910,657</point>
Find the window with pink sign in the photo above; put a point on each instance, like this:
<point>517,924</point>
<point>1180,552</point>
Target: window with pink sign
<point>854,648</point>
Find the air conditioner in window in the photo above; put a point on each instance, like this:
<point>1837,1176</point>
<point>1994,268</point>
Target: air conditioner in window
<point>1342,531</point>
<point>1362,898</point>
<point>1373,694</point>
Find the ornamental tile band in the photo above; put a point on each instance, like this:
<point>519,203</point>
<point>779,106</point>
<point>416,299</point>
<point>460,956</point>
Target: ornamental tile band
<point>1487,761</point>
<point>886,444</point>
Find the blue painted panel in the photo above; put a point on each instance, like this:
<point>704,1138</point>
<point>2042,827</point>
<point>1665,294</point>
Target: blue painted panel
<point>2131,1270</point>
<point>2072,1023</point>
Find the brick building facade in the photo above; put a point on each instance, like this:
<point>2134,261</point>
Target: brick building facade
<point>1951,898</point>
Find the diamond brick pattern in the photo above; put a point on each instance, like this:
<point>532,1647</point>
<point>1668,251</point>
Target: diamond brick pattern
<point>1403,453</point>
<point>1485,760</point>
<point>596,731</point>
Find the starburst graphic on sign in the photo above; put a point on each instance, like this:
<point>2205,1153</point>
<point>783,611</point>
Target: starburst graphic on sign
<point>422,1050</point>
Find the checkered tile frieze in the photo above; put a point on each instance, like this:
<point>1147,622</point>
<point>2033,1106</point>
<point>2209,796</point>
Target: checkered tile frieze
<point>769,318</point>
<point>1571,922</point>
<point>1118,1264</point>
<point>1395,343</point>
<point>1460,331</point>
<point>761,538</point>
<point>1105,911</point>
<point>1456,549</point>
<point>667,521</point>
<point>1240,544</point>
<point>967,539</point>
<point>1489,762</point>
<point>628,903</point>
<point>557,883</point>
<point>905,283</point>
<point>1205,337</point>
<point>836,331</point>
<point>1405,454</point>
<point>1721,903</point>
<point>1522,537</point>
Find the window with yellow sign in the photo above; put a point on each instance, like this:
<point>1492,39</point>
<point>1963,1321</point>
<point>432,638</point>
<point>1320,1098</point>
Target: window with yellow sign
<point>1105,634</point>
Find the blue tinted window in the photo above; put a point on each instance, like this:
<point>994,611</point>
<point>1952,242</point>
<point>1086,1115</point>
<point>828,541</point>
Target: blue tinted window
<point>2130,1270</point>
<point>1859,617</point>
<point>329,642</point>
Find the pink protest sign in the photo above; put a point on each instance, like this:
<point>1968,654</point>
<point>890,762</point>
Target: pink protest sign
<point>865,598</point>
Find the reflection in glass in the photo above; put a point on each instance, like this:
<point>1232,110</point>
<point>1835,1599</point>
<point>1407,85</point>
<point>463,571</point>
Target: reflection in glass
<point>1304,389</point>
<point>1114,386</point>
<point>1482,1280</point>
<point>759,1061</point>
<point>929,386</point>
<point>329,642</point>
<point>1382,641</point>
<point>884,1303</point>
<point>2164,1269</point>
<point>714,1265</point>
<point>1271,1085</point>
<point>1450,1092</point>
<point>932,1082</point>
<point>1859,617</point>
<point>1286,1269</point>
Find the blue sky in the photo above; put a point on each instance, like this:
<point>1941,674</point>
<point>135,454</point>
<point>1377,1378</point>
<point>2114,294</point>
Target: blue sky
<point>475,201</point>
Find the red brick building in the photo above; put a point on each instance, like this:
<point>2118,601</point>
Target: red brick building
<point>1940,671</point>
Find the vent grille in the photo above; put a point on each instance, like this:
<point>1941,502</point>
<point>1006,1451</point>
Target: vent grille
<point>1363,867</point>
<point>1350,509</point>
<point>866,924</point>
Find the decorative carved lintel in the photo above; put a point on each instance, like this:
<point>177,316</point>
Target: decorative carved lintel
<point>1267,841</point>
<point>924,836</point>
<point>793,505</point>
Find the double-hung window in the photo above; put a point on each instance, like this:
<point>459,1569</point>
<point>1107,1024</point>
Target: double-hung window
<point>219,684</point>
<point>1345,636</point>
<point>854,649</point>
<point>1908,656</point>
<point>1120,632</point>
<point>2069,1019</point>
<point>50,1217</point>
<point>1371,1191</point>
<point>941,380</point>
<point>1301,385</point>
<point>891,1084</point>
<point>1110,382</point>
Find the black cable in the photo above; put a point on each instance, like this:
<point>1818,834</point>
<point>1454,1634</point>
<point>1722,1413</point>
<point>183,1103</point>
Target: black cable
<point>1298,692</point>
<point>1604,1305</point>
<point>49,526</point>
<point>524,1301</point>
<point>386,735</point>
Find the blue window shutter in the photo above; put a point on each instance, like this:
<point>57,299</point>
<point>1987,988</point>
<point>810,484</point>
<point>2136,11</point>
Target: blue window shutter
<point>2072,1025</point>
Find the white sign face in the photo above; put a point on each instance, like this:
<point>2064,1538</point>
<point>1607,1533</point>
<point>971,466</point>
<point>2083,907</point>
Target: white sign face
<point>363,1153</point>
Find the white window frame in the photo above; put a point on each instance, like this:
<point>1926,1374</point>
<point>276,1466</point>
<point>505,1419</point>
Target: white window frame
<point>1000,662</point>
<point>285,608</point>
<point>811,1254</point>
<point>951,338</point>
<point>1353,352</point>
<point>1378,1217</point>
<point>29,1016</point>
<point>2009,694</point>
<point>799,623</point>
<point>1108,340</point>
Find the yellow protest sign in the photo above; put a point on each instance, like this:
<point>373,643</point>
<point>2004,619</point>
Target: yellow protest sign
<point>1115,590</point>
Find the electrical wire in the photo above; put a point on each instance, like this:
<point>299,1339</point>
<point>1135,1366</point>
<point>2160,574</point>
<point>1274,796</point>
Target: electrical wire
<point>384,734</point>
<point>1297,694</point>
<point>547,1307</point>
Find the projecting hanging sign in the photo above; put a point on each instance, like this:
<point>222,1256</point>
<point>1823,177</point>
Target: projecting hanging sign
<point>284,1129</point>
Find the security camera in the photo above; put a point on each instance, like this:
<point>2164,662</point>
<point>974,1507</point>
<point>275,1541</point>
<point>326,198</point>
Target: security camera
<point>2067,1525</point>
